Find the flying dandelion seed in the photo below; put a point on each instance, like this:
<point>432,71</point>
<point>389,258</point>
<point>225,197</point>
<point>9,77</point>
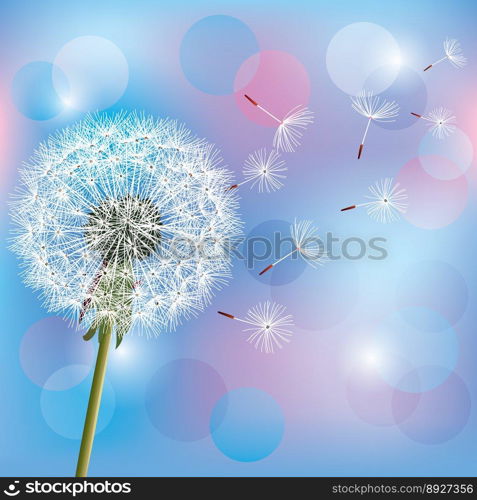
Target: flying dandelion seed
<point>453,53</point>
<point>290,128</point>
<point>440,121</point>
<point>307,245</point>
<point>374,108</point>
<point>268,326</point>
<point>264,170</point>
<point>104,216</point>
<point>387,201</point>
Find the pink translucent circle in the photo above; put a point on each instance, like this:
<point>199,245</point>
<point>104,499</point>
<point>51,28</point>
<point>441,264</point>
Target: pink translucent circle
<point>375,401</point>
<point>457,147</point>
<point>279,83</point>
<point>432,203</point>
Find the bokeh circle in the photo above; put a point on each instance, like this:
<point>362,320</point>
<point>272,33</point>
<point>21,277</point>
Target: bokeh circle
<point>252,427</point>
<point>410,92</point>
<point>266,243</point>
<point>376,402</point>
<point>363,54</point>
<point>96,70</point>
<point>415,340</point>
<point>456,148</point>
<point>441,413</point>
<point>432,203</point>
<point>33,92</point>
<point>435,285</point>
<point>213,50</point>
<point>180,398</point>
<point>51,344</point>
<point>64,411</point>
<point>318,295</point>
<point>274,79</point>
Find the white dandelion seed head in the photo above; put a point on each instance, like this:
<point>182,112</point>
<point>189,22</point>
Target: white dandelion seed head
<point>374,107</point>
<point>269,326</point>
<point>265,170</point>
<point>388,201</point>
<point>290,131</point>
<point>125,219</point>
<point>308,243</point>
<point>454,53</point>
<point>441,122</point>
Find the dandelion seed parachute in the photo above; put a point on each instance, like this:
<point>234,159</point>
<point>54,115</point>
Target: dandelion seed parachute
<point>269,326</point>
<point>440,120</point>
<point>264,170</point>
<point>388,201</point>
<point>453,53</point>
<point>290,129</point>
<point>374,108</point>
<point>307,244</point>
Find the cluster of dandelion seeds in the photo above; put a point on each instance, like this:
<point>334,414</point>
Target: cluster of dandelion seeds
<point>125,219</point>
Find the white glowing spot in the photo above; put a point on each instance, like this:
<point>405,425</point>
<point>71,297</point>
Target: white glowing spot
<point>396,60</point>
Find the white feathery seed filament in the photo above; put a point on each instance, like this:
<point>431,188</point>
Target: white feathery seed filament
<point>307,243</point>
<point>264,170</point>
<point>269,326</point>
<point>453,54</point>
<point>441,122</point>
<point>374,108</point>
<point>388,201</point>
<point>291,128</point>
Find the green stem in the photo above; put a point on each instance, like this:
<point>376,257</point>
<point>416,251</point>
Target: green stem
<point>94,403</point>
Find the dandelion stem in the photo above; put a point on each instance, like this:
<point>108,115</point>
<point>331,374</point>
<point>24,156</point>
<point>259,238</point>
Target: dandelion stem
<point>94,402</point>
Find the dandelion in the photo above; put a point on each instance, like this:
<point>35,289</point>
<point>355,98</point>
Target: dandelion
<point>268,326</point>
<point>374,108</point>
<point>387,201</point>
<point>104,215</point>
<point>264,170</point>
<point>440,121</point>
<point>453,53</point>
<point>290,128</point>
<point>307,245</point>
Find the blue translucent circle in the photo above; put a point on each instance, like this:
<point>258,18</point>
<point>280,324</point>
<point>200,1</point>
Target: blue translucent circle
<point>51,344</point>
<point>266,243</point>
<point>441,413</point>
<point>213,50</point>
<point>435,285</point>
<point>33,91</point>
<point>64,411</point>
<point>180,398</point>
<point>409,91</point>
<point>417,340</point>
<point>253,425</point>
<point>327,288</point>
